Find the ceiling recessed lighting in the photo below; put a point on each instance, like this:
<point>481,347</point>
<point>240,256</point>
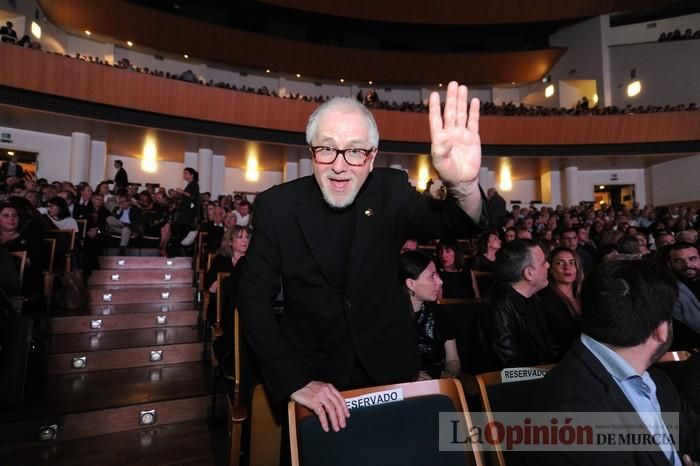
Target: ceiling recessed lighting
<point>298,75</point>
<point>369,82</point>
<point>342,80</point>
<point>88,33</point>
<point>513,83</point>
<point>186,56</point>
<point>9,152</point>
<point>440,85</point>
<point>129,43</point>
<point>602,186</point>
<point>267,71</point>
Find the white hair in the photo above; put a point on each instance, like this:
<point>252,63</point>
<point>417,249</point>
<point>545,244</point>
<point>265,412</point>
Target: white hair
<point>348,104</point>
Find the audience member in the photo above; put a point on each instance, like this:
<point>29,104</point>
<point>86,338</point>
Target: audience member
<point>561,298</point>
<point>125,221</point>
<point>121,178</point>
<point>626,327</point>
<point>487,247</point>
<point>456,276</point>
<point>437,345</point>
<point>515,329</point>
<point>59,214</point>
<point>569,238</point>
<point>333,238</point>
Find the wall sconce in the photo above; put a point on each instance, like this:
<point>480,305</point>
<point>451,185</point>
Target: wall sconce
<point>36,30</point>
<point>423,173</point>
<point>634,88</point>
<point>549,91</point>
<point>252,173</point>
<point>148,164</point>
<point>506,183</point>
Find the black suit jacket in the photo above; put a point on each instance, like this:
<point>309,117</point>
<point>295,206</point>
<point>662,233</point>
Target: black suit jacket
<point>325,328</point>
<point>121,179</point>
<point>580,383</point>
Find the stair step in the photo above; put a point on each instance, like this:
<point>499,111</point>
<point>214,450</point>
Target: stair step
<point>129,262</point>
<point>140,294</point>
<point>185,443</point>
<point>123,348</point>
<point>122,339</point>
<point>140,276</point>
<point>132,308</point>
<point>106,421</point>
<point>89,391</point>
<point>155,318</point>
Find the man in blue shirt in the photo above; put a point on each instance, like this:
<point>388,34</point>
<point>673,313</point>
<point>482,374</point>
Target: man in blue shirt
<point>626,327</point>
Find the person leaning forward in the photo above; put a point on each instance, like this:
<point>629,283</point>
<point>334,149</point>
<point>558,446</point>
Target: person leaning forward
<point>332,241</point>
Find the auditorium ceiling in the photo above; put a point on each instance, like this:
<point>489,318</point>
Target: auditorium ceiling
<point>390,42</point>
<point>128,141</point>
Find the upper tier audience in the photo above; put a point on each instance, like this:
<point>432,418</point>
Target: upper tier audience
<point>372,100</point>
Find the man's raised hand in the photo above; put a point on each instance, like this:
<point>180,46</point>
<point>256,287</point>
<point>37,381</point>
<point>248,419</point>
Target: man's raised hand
<point>454,134</point>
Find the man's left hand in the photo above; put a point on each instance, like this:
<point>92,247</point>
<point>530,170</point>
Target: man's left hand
<point>456,145</point>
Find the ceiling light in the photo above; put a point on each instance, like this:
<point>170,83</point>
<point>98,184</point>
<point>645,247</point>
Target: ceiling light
<point>634,88</point>
<point>88,33</point>
<point>513,83</point>
<point>440,85</point>
<point>369,82</point>
<point>342,80</point>
<point>129,43</point>
<point>267,71</point>
<point>595,98</point>
<point>549,91</point>
<point>601,187</point>
<point>298,75</point>
<point>186,56</point>
<point>9,152</point>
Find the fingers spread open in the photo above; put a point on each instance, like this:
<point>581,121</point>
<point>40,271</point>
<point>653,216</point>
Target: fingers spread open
<point>450,114</point>
<point>462,106</point>
<point>434,114</point>
<point>473,123</point>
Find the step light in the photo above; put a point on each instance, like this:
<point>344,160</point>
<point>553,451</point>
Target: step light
<point>168,277</point>
<point>161,320</point>
<point>107,297</point>
<point>48,432</point>
<point>147,418</point>
<point>96,324</point>
<point>156,356</point>
<point>115,277</point>
<point>169,262</point>
<point>164,308</point>
<point>165,295</point>
<point>121,262</point>
<point>79,363</point>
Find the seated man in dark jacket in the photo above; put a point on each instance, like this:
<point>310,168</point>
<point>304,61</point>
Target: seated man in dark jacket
<point>515,328</point>
<point>126,221</point>
<point>626,327</point>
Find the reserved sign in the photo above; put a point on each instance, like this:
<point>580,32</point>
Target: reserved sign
<point>517,374</point>
<point>376,398</point>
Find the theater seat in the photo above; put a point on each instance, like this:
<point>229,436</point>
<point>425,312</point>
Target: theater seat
<point>394,433</point>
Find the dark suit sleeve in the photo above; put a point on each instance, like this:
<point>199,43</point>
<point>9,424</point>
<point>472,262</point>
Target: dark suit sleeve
<point>425,217</point>
<point>504,334</point>
<point>259,284</point>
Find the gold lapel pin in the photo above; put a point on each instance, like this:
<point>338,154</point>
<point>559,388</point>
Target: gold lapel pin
<point>369,212</point>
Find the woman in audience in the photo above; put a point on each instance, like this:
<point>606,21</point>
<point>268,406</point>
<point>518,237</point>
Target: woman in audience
<point>456,277</point>
<point>436,341</point>
<point>488,245</point>
<point>561,298</point>
<point>188,207</point>
<point>13,237</point>
<point>229,258</point>
<point>59,214</point>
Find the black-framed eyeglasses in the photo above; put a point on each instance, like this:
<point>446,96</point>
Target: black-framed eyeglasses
<point>354,156</point>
